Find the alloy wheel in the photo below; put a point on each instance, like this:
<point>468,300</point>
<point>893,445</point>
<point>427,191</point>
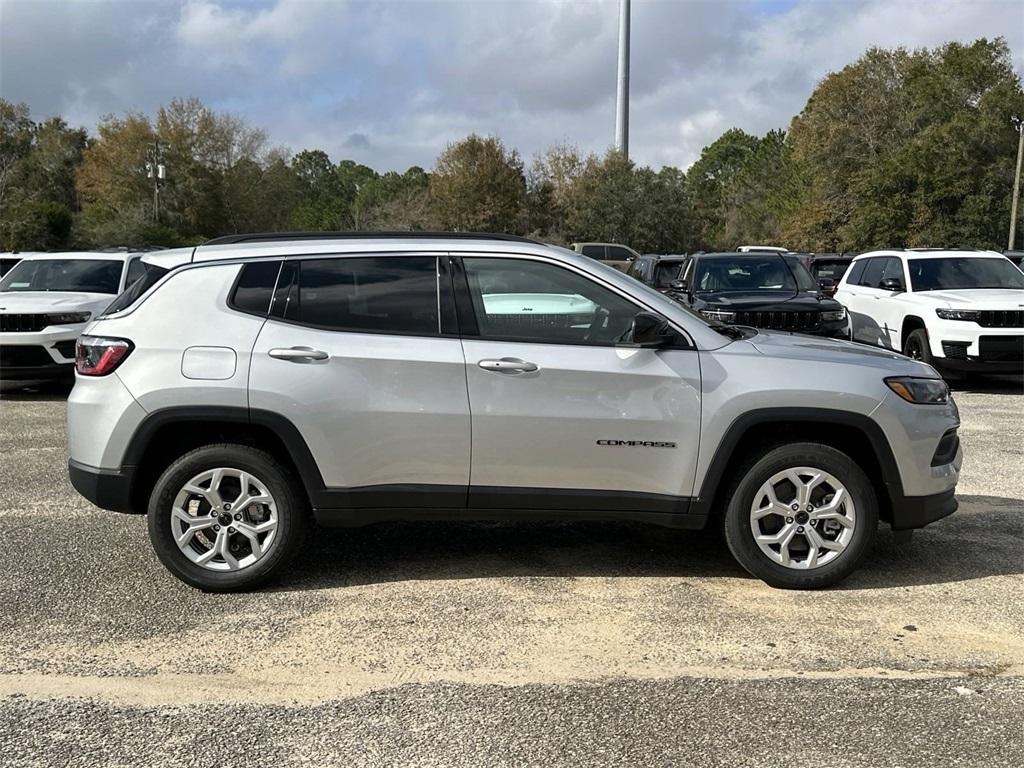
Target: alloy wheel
<point>224,519</point>
<point>802,518</point>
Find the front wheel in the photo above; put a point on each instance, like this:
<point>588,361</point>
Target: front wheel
<point>801,517</point>
<point>916,346</point>
<point>226,517</point>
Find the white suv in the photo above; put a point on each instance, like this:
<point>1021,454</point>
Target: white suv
<point>962,311</point>
<point>244,383</point>
<point>46,299</point>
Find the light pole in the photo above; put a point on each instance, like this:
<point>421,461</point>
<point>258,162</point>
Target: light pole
<point>1019,123</point>
<point>622,95</point>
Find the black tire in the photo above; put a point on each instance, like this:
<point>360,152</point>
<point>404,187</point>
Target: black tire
<point>916,346</point>
<point>740,538</point>
<point>292,510</point>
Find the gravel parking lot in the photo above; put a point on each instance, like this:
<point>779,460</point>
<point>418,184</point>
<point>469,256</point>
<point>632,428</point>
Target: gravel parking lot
<point>500,644</point>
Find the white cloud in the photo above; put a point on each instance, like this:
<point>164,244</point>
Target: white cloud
<point>413,76</point>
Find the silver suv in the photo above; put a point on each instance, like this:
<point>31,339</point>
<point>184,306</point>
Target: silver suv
<point>248,385</point>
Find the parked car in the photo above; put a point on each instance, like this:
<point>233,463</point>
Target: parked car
<point>656,270</point>
<point>828,269</point>
<point>613,254</point>
<point>46,300</point>
<point>8,260</point>
<point>457,377</point>
<point>962,311</point>
<point>761,289</point>
<point>1017,257</point>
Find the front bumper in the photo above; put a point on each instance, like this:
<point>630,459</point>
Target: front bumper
<point>46,354</point>
<point>106,488</point>
<point>918,511</point>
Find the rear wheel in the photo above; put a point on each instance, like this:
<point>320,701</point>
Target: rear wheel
<point>226,517</point>
<point>801,517</point>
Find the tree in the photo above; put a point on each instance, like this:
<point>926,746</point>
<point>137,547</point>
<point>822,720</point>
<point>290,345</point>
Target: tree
<point>709,178</point>
<point>908,148</point>
<point>478,185</point>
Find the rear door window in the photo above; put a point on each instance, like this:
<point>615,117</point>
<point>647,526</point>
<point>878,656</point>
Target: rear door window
<point>382,294</point>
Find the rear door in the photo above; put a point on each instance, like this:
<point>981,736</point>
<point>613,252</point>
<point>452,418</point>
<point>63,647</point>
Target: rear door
<point>862,303</point>
<point>355,356</point>
<point>563,418</point>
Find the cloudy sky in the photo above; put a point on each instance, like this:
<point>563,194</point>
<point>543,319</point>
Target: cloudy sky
<point>390,82</point>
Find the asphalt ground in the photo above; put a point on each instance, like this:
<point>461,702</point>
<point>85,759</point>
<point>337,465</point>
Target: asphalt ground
<point>509,644</point>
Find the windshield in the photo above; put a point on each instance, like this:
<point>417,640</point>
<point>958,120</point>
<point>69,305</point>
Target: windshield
<point>85,275</point>
<point>959,273</point>
<point>763,272</point>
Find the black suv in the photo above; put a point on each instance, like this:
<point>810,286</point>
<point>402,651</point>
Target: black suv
<point>764,290</point>
<point>656,270</point>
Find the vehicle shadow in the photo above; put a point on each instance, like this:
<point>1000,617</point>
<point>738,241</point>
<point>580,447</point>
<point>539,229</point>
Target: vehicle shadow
<point>991,385</point>
<point>959,548</point>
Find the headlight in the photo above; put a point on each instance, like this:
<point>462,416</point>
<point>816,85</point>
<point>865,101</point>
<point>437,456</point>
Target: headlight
<point>834,314</point>
<point>958,314</point>
<point>925,391</point>
<point>720,315</point>
<point>68,318</point>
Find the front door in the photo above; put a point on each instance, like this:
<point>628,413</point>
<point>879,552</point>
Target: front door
<point>564,415</point>
<point>353,356</point>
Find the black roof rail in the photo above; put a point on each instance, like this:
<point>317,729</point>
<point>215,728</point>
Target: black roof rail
<point>269,237</point>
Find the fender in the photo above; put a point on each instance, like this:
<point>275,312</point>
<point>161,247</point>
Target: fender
<point>824,416</point>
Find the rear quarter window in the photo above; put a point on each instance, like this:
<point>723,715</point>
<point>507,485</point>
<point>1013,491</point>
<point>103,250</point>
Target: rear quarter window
<point>255,287</point>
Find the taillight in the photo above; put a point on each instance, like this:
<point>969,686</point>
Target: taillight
<point>98,356</point>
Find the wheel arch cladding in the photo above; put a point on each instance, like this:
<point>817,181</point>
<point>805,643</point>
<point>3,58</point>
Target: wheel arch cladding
<point>754,433</point>
<point>168,433</point>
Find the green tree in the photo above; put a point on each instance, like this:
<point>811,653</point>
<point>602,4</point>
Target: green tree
<point>709,178</point>
<point>479,185</point>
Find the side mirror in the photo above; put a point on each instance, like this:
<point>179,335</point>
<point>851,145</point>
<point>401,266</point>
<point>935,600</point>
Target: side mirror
<point>679,286</point>
<point>650,330</point>
<point>891,284</point>
<point>827,283</point>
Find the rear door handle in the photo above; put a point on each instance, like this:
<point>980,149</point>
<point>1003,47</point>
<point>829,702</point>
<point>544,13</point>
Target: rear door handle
<point>508,365</point>
<point>298,354</point>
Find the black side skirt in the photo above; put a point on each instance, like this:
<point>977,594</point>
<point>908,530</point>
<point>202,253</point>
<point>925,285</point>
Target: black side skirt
<point>363,506</point>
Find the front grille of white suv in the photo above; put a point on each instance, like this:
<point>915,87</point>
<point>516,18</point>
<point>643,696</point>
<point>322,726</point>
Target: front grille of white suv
<point>1001,318</point>
<point>22,323</point>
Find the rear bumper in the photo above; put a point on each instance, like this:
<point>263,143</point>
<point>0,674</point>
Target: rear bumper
<point>918,511</point>
<point>106,488</point>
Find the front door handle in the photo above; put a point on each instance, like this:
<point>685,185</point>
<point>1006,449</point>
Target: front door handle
<point>298,354</point>
<point>508,365</point>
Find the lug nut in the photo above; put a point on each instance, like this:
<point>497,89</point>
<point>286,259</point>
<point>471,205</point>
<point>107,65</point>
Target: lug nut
<point>799,529</point>
<point>810,507</point>
<point>789,519</point>
<point>216,527</point>
<point>227,507</point>
<point>814,523</point>
<point>231,530</point>
<point>238,517</point>
<point>795,507</point>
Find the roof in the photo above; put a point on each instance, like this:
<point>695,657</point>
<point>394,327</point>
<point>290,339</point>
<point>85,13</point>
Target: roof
<point>930,253</point>
<point>393,235</point>
<point>304,244</point>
